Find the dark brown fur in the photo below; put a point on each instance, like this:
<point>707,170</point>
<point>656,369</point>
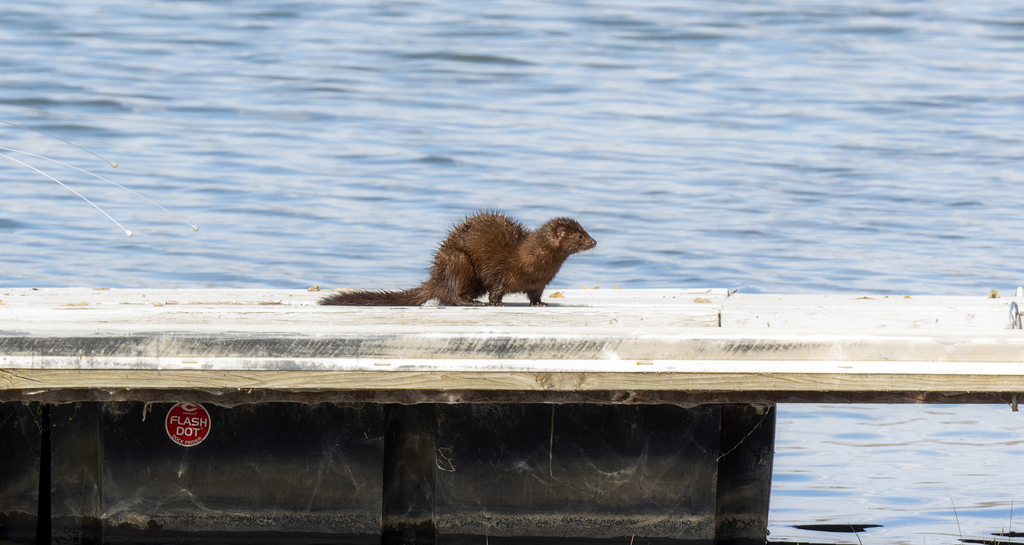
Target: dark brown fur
<point>488,253</point>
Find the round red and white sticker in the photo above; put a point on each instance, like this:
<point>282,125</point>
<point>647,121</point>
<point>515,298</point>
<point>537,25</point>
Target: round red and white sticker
<point>187,424</point>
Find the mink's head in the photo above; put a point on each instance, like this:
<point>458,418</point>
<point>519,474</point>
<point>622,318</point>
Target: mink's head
<point>570,236</point>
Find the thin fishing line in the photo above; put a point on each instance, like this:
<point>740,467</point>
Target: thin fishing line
<point>126,231</point>
<point>194,227</point>
<point>112,164</point>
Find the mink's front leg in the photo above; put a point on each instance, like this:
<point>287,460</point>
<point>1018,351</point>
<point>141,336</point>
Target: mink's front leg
<point>535,298</point>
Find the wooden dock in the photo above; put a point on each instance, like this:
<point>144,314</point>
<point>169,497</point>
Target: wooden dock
<point>599,345</point>
<point>610,416</point>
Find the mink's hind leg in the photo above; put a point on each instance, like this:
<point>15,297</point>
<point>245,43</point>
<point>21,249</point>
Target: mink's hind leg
<point>494,298</point>
<point>460,284</point>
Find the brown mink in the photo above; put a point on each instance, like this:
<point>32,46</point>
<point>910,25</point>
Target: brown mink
<point>488,253</point>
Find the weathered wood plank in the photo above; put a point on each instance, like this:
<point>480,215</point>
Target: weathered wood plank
<point>59,297</point>
<point>588,341</point>
<point>311,380</point>
<point>498,348</point>
<point>76,310</point>
<point>857,312</point>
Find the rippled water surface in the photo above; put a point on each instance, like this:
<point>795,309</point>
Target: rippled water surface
<point>769,146</point>
<point>773,146</point>
<point>928,474</point>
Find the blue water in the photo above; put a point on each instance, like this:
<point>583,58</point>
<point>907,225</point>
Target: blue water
<point>772,146</point>
<point>928,474</point>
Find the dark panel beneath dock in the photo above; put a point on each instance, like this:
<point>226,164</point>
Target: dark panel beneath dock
<point>388,473</point>
<point>20,440</point>
<point>76,478</point>
<point>409,475</point>
<point>266,473</point>
<point>552,472</point>
<point>747,446</point>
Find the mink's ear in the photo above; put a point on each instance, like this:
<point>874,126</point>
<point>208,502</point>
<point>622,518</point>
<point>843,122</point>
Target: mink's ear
<point>559,233</point>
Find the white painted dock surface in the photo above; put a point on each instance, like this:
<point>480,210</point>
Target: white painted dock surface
<point>685,346</point>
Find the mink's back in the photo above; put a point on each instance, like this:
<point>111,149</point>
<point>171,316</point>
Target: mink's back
<point>487,238</point>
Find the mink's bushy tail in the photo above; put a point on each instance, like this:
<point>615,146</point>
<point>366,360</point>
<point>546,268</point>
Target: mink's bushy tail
<point>378,298</point>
